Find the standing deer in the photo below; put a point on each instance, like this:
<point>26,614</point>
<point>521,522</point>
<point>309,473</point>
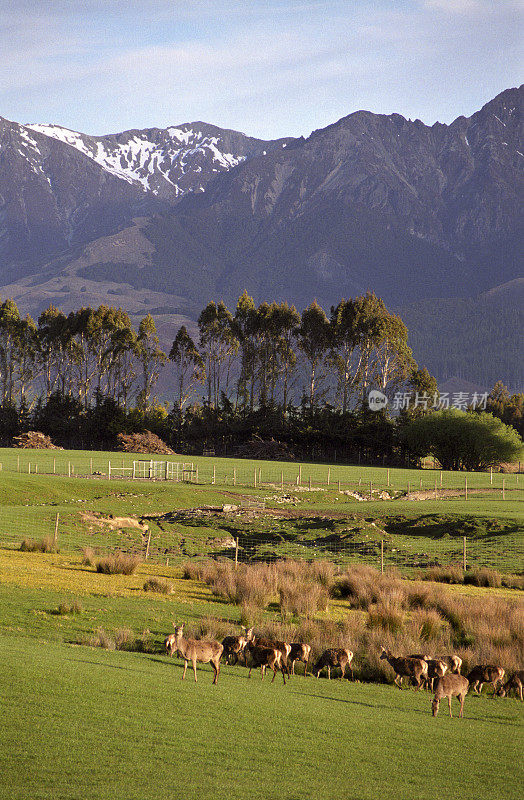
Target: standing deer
<point>482,674</point>
<point>284,647</point>
<point>299,652</point>
<point>451,685</point>
<point>263,657</point>
<point>437,667</point>
<point>414,668</point>
<point>454,663</point>
<point>334,657</point>
<point>197,650</point>
<point>234,646</point>
<point>515,682</point>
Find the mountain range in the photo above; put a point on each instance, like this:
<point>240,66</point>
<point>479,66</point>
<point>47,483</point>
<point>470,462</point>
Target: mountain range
<point>164,220</point>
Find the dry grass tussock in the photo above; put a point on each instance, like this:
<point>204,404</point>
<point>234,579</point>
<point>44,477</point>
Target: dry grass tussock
<point>122,639</point>
<point>158,585</point>
<point>118,564</point>
<point>64,609</point>
<point>387,611</point>
<point>45,545</point>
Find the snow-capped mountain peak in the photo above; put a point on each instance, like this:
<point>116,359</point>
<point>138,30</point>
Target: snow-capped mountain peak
<point>168,162</point>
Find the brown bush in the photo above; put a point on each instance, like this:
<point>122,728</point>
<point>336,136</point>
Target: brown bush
<point>484,577</point>
<point>45,545</point>
<point>158,585</point>
<point>118,564</point>
<point>444,574</point>
<point>88,557</point>
<point>145,442</point>
<point>302,599</point>
<point>70,608</point>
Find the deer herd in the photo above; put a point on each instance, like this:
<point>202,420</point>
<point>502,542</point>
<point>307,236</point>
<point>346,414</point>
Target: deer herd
<point>440,675</point>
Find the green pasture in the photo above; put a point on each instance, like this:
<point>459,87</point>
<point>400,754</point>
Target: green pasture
<point>84,723</point>
<point>299,523</point>
<point>79,722</point>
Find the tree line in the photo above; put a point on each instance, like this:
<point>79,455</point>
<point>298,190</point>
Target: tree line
<point>267,369</point>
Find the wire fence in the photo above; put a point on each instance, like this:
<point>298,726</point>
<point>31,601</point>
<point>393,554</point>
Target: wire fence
<point>155,542</point>
<point>361,483</point>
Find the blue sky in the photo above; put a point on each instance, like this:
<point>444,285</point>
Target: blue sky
<point>266,67</point>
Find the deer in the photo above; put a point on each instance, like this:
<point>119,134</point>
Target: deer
<point>341,657</point>
<point>414,668</point>
<point>451,685</point>
<point>482,674</point>
<point>197,650</point>
<point>284,647</point>
<point>299,652</point>
<point>436,669</point>
<point>234,646</point>
<point>263,657</point>
<point>454,663</point>
<point>515,682</point>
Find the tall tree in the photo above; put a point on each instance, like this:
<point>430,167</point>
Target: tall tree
<point>151,357</point>
<point>189,365</point>
<point>219,343</point>
<point>314,338</point>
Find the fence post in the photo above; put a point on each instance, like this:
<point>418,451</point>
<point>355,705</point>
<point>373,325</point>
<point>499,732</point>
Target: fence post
<point>329,476</point>
<point>148,543</point>
<point>108,470</point>
<point>236,553</point>
<point>465,487</point>
<point>491,474</point>
<point>370,490</point>
<point>464,564</point>
<point>56,527</point>
<point>29,469</point>
<point>18,464</point>
<point>420,483</point>
<point>234,477</point>
<point>90,466</point>
<point>339,485</point>
<point>54,466</point>
<point>68,469</point>
<point>503,488</point>
<point>382,556</point>
<point>259,476</point>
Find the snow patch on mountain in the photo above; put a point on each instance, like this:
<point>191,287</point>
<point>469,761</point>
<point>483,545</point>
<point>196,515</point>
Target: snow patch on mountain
<point>156,160</point>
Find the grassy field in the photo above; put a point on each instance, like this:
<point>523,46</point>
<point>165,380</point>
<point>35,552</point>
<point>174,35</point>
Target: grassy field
<point>297,522</point>
<point>80,722</point>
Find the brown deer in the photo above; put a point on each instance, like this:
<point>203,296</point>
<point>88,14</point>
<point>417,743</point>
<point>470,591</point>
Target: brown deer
<point>437,667</point>
<point>414,668</point>
<point>234,645</point>
<point>263,657</point>
<point>482,674</point>
<point>515,682</point>
<point>284,647</point>
<point>451,685</point>
<point>299,652</point>
<point>197,650</point>
<point>454,663</point>
<point>341,657</point>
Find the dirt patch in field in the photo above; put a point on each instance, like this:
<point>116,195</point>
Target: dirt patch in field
<point>113,523</point>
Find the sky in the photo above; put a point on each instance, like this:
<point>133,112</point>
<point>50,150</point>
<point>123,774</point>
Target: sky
<point>269,68</point>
